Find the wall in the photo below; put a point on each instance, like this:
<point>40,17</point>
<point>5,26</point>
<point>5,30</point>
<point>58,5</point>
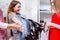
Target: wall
<point>29,8</point>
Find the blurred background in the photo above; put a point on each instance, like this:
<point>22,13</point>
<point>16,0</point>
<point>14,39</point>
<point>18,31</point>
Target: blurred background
<point>30,8</point>
<point>45,14</point>
<point>45,10</point>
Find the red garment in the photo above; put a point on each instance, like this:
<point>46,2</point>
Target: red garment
<point>1,16</point>
<point>3,32</point>
<point>54,33</point>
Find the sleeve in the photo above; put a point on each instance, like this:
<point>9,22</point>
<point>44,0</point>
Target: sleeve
<point>11,15</point>
<point>3,25</point>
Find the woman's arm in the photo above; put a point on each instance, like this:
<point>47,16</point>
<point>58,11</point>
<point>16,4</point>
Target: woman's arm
<point>52,24</point>
<point>15,20</point>
<point>12,17</point>
<point>17,27</point>
<point>5,25</point>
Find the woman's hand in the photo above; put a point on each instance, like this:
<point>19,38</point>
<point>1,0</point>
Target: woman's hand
<point>19,23</point>
<point>48,24</point>
<point>17,27</point>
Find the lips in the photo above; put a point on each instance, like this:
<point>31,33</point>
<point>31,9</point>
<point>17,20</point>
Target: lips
<point>18,10</point>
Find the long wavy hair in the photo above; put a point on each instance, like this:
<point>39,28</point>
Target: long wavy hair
<point>53,4</point>
<point>10,8</point>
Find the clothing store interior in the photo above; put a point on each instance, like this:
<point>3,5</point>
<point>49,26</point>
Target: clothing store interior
<point>29,19</point>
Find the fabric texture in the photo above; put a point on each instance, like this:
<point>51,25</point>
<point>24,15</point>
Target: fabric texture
<point>17,34</point>
<point>54,33</point>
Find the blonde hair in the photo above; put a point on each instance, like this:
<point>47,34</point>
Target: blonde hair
<point>53,4</point>
<point>10,8</point>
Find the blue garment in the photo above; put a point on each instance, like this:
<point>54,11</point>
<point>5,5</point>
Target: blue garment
<point>24,23</point>
<point>17,34</point>
<point>21,35</point>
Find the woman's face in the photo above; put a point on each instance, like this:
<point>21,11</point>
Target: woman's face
<point>17,8</point>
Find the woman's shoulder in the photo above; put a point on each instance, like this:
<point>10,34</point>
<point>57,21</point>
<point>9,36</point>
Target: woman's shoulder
<point>12,13</point>
<point>54,15</point>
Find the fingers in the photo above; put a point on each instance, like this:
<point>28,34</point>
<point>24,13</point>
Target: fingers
<point>19,28</point>
<point>19,23</point>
